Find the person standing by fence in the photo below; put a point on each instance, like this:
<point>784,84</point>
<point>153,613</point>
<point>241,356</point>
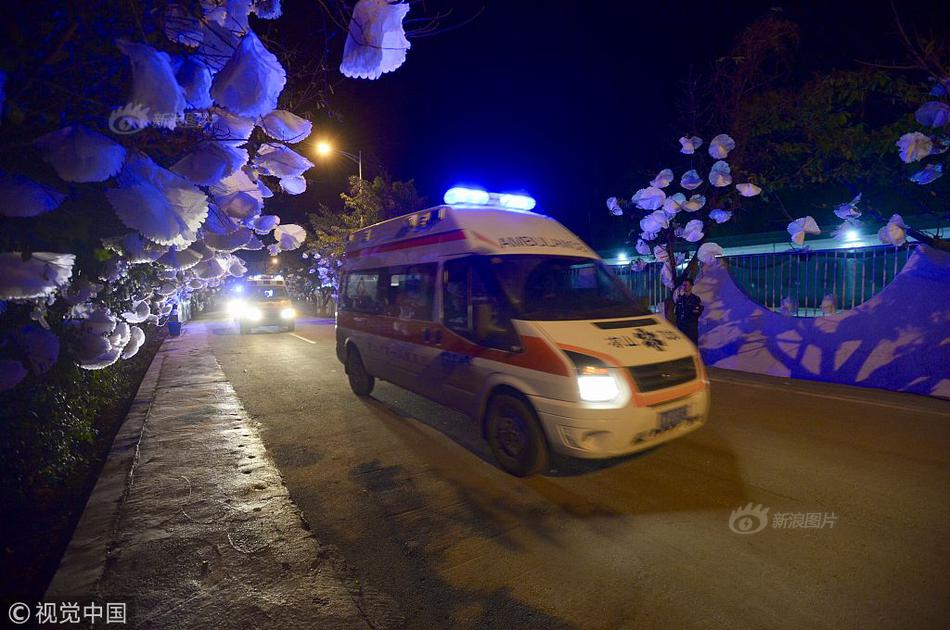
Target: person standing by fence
<point>688,307</point>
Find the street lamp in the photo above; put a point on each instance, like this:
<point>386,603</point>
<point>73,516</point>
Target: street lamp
<point>324,149</point>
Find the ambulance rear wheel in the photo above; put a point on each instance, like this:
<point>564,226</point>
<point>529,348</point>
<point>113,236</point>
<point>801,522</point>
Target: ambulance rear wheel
<point>361,381</point>
<point>515,436</point>
<point>289,327</point>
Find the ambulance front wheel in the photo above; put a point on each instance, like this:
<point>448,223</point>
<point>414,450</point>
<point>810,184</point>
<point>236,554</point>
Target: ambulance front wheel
<point>515,436</point>
<point>361,381</point>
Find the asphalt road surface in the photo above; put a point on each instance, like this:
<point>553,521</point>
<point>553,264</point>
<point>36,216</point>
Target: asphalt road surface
<point>856,481</point>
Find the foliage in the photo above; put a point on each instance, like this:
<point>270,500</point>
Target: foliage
<point>366,203</point>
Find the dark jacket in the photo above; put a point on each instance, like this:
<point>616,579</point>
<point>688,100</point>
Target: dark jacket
<point>688,309</point>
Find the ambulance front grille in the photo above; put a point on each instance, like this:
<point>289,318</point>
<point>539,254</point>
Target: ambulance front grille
<point>665,374</point>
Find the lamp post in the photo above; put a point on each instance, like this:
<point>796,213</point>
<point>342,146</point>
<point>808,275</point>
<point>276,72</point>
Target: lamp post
<point>324,149</point>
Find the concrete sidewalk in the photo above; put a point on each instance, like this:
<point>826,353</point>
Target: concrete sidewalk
<point>191,525</point>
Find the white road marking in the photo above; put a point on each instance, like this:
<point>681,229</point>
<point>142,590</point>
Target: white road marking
<point>860,401</point>
<point>302,338</point>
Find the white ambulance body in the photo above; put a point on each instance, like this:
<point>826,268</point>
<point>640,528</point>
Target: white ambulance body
<point>508,317</point>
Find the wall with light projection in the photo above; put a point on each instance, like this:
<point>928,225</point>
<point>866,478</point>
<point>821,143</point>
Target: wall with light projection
<point>898,340</point>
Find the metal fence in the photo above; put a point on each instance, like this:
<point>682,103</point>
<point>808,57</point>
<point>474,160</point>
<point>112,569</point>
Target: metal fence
<point>798,283</point>
<point>794,282</point>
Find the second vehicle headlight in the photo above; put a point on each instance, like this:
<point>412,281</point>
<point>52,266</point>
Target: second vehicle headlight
<point>288,313</point>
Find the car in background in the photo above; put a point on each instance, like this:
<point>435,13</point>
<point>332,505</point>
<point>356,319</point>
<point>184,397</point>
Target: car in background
<point>263,301</point>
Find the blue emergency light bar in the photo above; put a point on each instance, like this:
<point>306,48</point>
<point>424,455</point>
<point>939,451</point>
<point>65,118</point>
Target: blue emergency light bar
<point>459,195</point>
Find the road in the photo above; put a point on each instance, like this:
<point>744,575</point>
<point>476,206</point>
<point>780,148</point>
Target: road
<point>408,492</point>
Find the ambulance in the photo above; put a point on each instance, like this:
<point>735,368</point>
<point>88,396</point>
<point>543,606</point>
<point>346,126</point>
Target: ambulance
<point>503,314</point>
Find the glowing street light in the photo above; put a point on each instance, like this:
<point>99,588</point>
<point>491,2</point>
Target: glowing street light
<point>274,260</point>
<point>324,149</point>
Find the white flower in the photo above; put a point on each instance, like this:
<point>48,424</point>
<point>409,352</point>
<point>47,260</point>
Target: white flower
<point>293,185</point>
<point>895,232</point>
<point>933,114</point>
<point>251,81</point>
<point>666,276</point>
<point>927,174</point>
<point>210,163</point>
<point>139,313</point>
<point>237,196</point>
<point>230,241</point>
<point>265,223</point>
<point>280,161</point>
<point>719,215</point>
<point>163,206</point>
<point>289,236</point>
<point>614,207</point>
<point>695,203</point>
<point>286,126</point>
<point>642,247</point>
<point>691,180</point>
<point>721,145</point>
<point>662,179</point>
<point>266,9</point>
<point>136,339</point>
<point>673,204</point>
<point>154,86</point>
<point>800,227</point>
<point>914,147</point>
<point>708,252</point>
<point>227,127</point>
<point>36,277</point>
<point>849,210</point>
<point>194,77</point>
<point>273,249</point>
<point>720,174</point>
<point>654,222</point>
<point>660,253</point>
<point>22,197</point>
<point>693,231</point>
<point>748,189</point>
<point>690,144</point>
<point>375,42</point>
<point>180,259</point>
<point>650,198</point>
<point>79,154</point>
<point>212,268</point>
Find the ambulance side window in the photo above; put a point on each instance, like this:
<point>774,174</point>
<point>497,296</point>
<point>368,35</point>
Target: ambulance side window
<point>411,292</point>
<point>474,307</point>
<point>361,292</point>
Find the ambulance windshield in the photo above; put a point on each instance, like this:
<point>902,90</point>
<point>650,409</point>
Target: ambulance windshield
<point>562,288</point>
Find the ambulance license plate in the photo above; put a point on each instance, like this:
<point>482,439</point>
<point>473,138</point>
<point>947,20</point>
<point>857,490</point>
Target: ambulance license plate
<point>672,417</point>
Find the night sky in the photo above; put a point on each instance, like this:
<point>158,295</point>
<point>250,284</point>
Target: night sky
<point>568,103</point>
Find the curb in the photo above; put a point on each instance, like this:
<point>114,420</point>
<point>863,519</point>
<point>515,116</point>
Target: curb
<point>82,565</point>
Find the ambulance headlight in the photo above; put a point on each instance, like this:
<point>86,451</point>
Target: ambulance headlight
<point>252,313</point>
<point>288,313</point>
<point>595,381</point>
<point>235,307</point>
